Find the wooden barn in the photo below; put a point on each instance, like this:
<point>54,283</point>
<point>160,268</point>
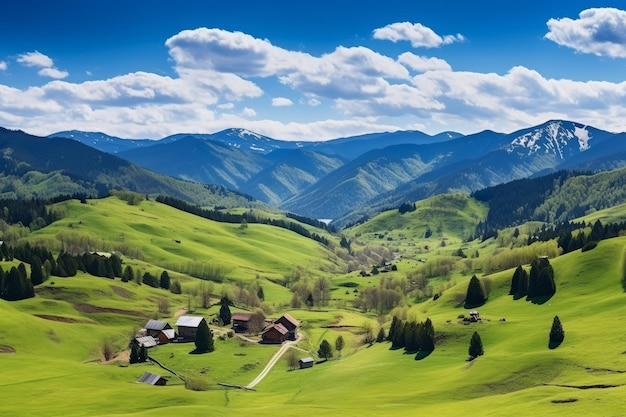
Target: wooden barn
<point>275,333</point>
<point>306,362</point>
<point>152,379</point>
<point>160,330</point>
<point>145,341</point>
<point>240,322</point>
<point>280,330</point>
<point>187,327</point>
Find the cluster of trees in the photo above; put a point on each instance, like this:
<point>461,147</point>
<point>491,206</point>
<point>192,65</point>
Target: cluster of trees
<point>539,283</point>
<point>245,218</point>
<point>15,284</point>
<point>406,208</point>
<point>413,336</point>
<point>325,350</point>
<point>571,235</point>
<point>138,354</point>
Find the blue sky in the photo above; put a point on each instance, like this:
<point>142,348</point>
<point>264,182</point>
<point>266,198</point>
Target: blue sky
<point>303,70</point>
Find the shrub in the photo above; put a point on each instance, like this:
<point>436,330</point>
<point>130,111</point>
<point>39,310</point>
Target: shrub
<point>589,246</point>
<point>196,383</point>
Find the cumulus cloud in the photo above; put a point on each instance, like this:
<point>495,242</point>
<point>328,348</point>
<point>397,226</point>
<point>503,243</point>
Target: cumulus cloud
<point>3,66</point>
<point>598,31</point>
<point>248,112</point>
<point>423,64</point>
<point>39,60</point>
<point>281,102</point>
<point>419,35</point>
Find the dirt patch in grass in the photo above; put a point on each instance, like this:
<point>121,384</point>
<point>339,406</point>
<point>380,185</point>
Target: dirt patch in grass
<point>61,319</point>
<point>6,349</point>
<point>90,308</point>
<point>565,401</point>
<point>122,292</point>
<point>341,328</point>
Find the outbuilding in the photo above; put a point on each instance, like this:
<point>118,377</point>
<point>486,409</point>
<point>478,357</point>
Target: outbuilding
<point>152,379</point>
<point>188,326</point>
<point>306,362</point>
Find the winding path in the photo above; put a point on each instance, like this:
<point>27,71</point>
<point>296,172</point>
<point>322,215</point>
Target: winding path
<point>272,362</point>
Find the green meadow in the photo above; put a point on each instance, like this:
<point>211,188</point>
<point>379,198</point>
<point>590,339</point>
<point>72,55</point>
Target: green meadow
<point>50,345</point>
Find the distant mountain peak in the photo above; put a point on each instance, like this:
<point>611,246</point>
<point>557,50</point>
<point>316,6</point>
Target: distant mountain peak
<point>557,137</point>
<point>245,134</point>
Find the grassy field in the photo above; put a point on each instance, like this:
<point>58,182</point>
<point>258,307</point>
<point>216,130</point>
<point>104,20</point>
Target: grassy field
<point>50,345</point>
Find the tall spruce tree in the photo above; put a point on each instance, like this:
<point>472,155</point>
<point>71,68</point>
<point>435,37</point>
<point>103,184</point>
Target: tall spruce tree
<point>557,334</point>
<point>164,281</point>
<point>225,314</point>
<point>134,353</point>
<point>36,272</point>
<point>395,322</point>
<point>522,284</point>
<point>426,336</point>
<point>476,347</point>
<point>475,293</point>
<point>204,338</point>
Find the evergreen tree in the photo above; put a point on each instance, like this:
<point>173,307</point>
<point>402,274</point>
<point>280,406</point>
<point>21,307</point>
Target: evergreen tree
<point>395,322</point>
<point>143,354</point>
<point>381,336</point>
<point>522,284</point>
<point>260,294</point>
<point>426,336</point>
<point>128,274</point>
<point>515,280</point>
<point>475,293</point>
<point>557,335</point>
<point>134,353</point>
<point>36,272</point>
<point>164,282</point>
<point>476,347</point>
<point>411,344</point>
<point>325,351</point>
<point>339,344</point>
<point>545,282</point>
<point>204,338</point>
<point>225,314</point>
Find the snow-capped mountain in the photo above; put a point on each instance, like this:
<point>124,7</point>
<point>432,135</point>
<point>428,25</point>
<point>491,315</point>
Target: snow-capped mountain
<point>563,139</point>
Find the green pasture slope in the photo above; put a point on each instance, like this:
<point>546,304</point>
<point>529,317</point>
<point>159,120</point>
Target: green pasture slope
<point>50,359</point>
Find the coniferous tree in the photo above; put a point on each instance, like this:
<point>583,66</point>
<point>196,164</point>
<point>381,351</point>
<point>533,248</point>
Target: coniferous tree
<point>164,281</point>
<point>325,351</point>
<point>557,334</point>
<point>36,272</point>
<point>225,314</point>
<point>395,322</point>
<point>410,337</point>
<point>381,336</point>
<point>475,293</point>
<point>426,336</point>
<point>522,284</point>
<point>476,347</point>
<point>143,354</point>
<point>204,338</point>
<point>515,280</point>
<point>398,337</point>
<point>128,274</point>
<point>134,353</point>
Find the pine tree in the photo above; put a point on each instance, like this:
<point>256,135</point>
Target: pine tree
<point>325,351</point>
<point>381,336</point>
<point>426,336</point>
<point>36,273</point>
<point>395,321</point>
<point>515,280</point>
<point>522,284</point>
<point>225,314</point>
<point>475,293</point>
<point>204,338</point>
<point>476,347</point>
<point>134,353</point>
<point>128,274</point>
<point>164,282</point>
<point>557,334</point>
<point>143,354</point>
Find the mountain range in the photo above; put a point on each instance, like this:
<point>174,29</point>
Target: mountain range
<point>350,178</point>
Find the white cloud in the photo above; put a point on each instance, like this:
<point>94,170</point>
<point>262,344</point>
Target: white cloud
<point>281,102</point>
<point>35,59</point>
<point>419,35</point>
<point>39,60</point>
<point>226,106</point>
<point>53,73</point>
<point>314,102</point>
<point>248,112</point>
<point>598,31</point>
<point>423,64</point>
<point>3,66</point>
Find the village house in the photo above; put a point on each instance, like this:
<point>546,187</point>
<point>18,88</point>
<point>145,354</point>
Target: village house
<point>280,330</point>
<point>152,379</point>
<point>160,330</point>
<point>241,322</point>
<point>187,327</point>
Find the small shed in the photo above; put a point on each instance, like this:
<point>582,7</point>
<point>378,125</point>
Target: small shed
<point>240,322</point>
<point>146,341</point>
<point>152,379</point>
<point>306,362</point>
<point>160,330</point>
<point>474,316</point>
<point>187,327</point>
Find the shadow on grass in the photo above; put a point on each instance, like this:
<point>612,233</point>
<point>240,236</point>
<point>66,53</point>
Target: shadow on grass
<point>198,352</point>
<point>474,305</point>
<point>422,355</point>
<point>554,344</point>
<point>541,299</point>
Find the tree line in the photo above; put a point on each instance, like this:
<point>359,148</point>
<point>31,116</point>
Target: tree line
<point>244,218</point>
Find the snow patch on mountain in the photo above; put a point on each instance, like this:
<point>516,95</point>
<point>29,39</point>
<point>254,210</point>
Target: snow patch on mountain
<point>553,138</point>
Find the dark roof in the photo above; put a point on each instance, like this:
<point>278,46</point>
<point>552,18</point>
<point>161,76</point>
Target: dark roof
<point>241,316</point>
<point>156,325</point>
<point>289,322</point>
<point>152,379</point>
<point>279,327</point>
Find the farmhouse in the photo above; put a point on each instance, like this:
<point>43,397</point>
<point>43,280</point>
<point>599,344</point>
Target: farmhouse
<point>241,322</point>
<point>306,362</point>
<point>152,379</point>
<point>187,327</point>
<point>160,330</point>
<point>280,330</point>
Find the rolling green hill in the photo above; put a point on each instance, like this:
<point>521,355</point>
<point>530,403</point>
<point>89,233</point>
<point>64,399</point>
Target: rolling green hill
<point>50,345</point>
